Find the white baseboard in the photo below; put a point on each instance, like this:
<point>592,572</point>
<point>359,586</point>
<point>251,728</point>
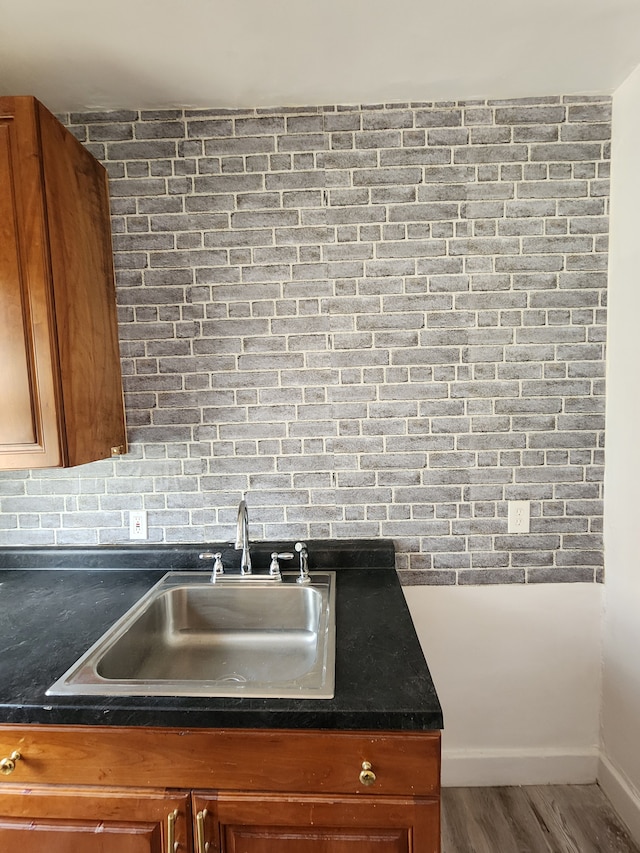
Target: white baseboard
<point>622,795</point>
<point>519,767</point>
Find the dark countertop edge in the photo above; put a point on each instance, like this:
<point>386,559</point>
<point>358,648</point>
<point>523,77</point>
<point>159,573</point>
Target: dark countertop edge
<point>323,553</point>
<point>328,721</point>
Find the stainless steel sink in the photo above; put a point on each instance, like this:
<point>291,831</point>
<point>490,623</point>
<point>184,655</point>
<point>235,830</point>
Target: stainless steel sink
<point>237,637</point>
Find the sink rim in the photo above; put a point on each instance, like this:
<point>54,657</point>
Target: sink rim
<point>82,677</point>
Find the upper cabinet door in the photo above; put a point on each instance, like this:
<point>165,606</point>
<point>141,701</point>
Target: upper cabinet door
<point>60,382</point>
<point>30,410</point>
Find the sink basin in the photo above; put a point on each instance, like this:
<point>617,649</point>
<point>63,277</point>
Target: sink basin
<point>238,637</point>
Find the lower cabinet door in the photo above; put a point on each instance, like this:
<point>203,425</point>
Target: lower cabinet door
<point>67,820</point>
<point>269,823</point>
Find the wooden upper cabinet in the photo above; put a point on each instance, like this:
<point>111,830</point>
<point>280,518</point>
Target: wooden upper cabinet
<point>60,381</point>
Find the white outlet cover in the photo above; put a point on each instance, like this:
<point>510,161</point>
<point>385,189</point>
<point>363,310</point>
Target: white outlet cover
<point>518,516</point>
<point>138,524</point>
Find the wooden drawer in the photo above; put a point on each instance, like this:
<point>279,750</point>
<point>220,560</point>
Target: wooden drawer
<point>404,763</point>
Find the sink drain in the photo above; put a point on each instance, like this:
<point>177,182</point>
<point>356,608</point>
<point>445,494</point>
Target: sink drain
<point>239,679</point>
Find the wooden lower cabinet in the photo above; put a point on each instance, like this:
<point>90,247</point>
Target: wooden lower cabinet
<point>240,823</point>
<point>141,790</point>
<point>92,820</point>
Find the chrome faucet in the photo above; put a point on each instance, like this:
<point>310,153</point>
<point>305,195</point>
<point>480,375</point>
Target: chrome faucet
<point>242,538</point>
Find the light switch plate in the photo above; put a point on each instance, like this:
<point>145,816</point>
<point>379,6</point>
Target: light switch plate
<point>518,515</point>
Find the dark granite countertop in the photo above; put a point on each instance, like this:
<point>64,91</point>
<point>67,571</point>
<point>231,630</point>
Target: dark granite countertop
<point>56,602</point>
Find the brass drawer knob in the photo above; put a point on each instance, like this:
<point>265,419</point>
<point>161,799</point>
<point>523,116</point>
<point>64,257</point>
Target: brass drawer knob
<point>367,776</point>
<point>8,765</point>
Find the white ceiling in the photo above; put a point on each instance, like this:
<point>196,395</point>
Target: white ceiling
<point>81,54</point>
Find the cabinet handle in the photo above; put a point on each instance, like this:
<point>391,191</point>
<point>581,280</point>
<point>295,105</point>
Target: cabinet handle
<point>8,765</point>
<point>203,846</point>
<point>367,776</point>
<point>171,831</point>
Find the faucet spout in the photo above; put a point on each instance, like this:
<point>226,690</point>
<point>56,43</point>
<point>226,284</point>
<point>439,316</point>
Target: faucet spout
<point>242,538</point>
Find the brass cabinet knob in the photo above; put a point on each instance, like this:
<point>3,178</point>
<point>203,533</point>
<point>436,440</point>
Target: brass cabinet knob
<point>367,776</point>
<point>8,765</point>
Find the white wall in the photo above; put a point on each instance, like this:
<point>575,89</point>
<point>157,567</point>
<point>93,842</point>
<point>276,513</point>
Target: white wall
<point>620,767</point>
<point>517,668</point>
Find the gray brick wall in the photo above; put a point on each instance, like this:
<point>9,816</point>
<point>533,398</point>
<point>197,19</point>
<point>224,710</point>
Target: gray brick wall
<point>384,320</point>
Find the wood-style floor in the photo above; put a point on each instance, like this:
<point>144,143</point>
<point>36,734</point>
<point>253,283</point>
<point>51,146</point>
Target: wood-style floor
<point>532,819</point>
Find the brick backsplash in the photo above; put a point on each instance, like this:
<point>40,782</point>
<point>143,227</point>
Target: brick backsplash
<point>380,320</point>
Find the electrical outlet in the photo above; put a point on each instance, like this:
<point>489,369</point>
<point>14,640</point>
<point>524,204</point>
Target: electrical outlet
<point>138,524</point>
<point>518,516</point>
